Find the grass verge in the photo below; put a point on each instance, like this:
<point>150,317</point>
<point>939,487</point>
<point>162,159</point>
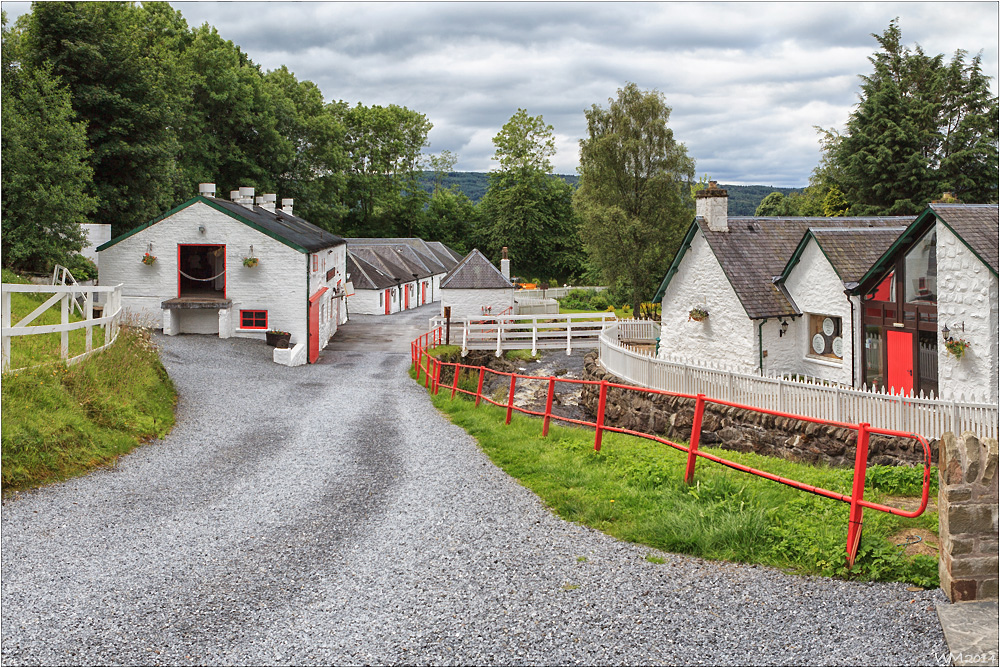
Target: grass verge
<point>60,421</point>
<point>634,490</point>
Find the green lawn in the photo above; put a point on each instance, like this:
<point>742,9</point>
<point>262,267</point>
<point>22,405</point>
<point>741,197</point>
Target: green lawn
<point>633,489</point>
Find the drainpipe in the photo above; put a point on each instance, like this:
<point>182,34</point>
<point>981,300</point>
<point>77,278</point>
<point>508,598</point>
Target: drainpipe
<point>760,344</point>
<point>854,356</point>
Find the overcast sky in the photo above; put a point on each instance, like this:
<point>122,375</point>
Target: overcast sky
<point>747,81</point>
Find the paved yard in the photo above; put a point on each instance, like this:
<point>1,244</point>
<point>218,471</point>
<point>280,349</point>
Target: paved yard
<point>328,514</point>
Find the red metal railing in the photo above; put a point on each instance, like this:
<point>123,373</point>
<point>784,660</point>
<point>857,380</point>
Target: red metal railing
<point>430,368</point>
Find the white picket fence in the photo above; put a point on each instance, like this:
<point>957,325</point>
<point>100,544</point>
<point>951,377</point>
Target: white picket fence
<point>527,332</point>
<point>927,416</point>
<point>554,293</point>
<point>70,297</point>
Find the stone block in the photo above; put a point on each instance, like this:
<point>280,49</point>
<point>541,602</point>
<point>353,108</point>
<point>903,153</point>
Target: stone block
<point>961,590</point>
<point>974,567</point>
<point>971,518</point>
<point>972,448</point>
<point>954,475</point>
<point>959,545</point>
<point>952,494</point>
<point>987,589</point>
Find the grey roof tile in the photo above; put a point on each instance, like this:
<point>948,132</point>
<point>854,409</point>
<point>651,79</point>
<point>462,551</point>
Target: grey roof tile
<point>977,224</point>
<point>475,272</point>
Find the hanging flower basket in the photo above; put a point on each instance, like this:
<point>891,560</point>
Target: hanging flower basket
<point>250,262</point>
<point>148,259</point>
<point>957,347</point>
<point>697,314</point>
<point>278,338</point>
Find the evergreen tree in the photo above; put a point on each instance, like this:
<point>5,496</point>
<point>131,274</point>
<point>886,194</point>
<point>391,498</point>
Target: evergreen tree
<point>922,127</point>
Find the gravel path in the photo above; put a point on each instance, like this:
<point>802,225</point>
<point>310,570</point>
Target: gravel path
<point>327,514</point>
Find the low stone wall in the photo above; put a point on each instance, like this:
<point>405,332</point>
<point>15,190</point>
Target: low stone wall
<point>967,517</point>
<point>740,430</point>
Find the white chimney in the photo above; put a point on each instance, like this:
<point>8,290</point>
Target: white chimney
<point>286,205</point>
<point>712,204</point>
<point>268,201</point>
<point>206,189</point>
<point>505,264</point>
<point>234,195</point>
<point>246,196</point>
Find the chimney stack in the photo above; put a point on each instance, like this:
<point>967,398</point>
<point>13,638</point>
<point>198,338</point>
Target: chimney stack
<point>246,196</point>
<point>286,206</point>
<point>206,189</point>
<point>712,204</point>
<point>268,201</point>
<point>504,264</point>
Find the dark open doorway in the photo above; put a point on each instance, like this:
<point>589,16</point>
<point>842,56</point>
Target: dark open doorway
<point>201,270</point>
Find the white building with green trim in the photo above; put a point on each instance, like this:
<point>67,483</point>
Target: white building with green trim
<point>233,268</point>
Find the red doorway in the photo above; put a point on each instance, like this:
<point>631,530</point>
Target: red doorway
<point>314,304</point>
<point>388,305</point>
<point>406,296</point>
<point>899,354</point>
<point>423,293</point>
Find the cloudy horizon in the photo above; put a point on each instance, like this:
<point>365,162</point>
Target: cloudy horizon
<point>747,82</point>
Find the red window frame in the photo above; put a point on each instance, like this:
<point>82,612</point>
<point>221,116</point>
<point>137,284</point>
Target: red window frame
<point>315,262</point>
<point>252,316</point>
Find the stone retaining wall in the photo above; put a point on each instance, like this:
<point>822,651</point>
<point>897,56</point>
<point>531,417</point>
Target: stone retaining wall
<point>740,430</point>
<point>967,517</point>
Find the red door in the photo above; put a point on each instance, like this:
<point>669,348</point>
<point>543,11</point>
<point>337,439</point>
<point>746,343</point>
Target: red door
<point>314,303</point>
<point>423,293</point>
<point>899,348</point>
<point>406,297</point>
<point>387,306</point>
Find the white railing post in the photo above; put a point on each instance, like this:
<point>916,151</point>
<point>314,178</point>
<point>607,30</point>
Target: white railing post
<point>88,315</point>
<point>569,336</point>
<point>64,320</point>
<point>5,318</point>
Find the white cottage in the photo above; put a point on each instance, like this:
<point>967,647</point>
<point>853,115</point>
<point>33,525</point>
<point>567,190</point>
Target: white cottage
<point>233,268</point>
<point>476,288</point>
<point>787,295</point>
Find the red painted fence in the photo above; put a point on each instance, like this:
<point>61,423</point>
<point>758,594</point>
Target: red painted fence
<point>430,368</point>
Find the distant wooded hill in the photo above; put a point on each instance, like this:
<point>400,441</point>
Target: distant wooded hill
<point>743,200</point>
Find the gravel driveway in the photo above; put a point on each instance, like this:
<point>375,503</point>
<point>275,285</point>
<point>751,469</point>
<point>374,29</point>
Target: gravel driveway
<point>327,514</point>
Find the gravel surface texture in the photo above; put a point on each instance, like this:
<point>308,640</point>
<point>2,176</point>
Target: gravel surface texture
<point>327,514</point>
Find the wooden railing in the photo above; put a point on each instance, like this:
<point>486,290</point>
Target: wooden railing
<point>529,332</point>
<point>66,295</point>
<point>928,416</point>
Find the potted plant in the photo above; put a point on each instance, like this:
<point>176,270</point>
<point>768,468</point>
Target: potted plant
<point>697,314</point>
<point>957,347</point>
<point>278,338</point>
<point>250,262</point>
<point>148,259</point>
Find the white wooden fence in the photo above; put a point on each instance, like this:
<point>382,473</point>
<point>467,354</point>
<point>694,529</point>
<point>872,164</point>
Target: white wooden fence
<point>534,332</point>
<point>67,296</point>
<point>530,306</point>
<point>930,417</point>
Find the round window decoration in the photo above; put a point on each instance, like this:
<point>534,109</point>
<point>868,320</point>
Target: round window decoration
<point>819,344</point>
<point>838,347</point>
<point>828,326</point>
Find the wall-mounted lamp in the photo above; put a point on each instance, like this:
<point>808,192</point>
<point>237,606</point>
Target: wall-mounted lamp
<point>251,250</point>
<point>201,228</point>
<point>784,328</point>
<point>149,248</point>
<point>946,333</point>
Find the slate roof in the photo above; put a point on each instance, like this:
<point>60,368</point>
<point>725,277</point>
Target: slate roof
<point>434,256</point>
<point>754,251</point>
<point>366,276</point>
<point>978,225</point>
<point>475,272</point>
<point>390,267</point>
<point>291,230</point>
<point>850,250</point>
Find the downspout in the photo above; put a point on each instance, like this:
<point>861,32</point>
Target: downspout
<point>854,340</point>
<point>760,344</point>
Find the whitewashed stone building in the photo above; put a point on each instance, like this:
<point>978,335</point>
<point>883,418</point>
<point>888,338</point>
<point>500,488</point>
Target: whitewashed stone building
<point>810,296</point>
<point>476,288</point>
<point>396,274</point>
<point>233,268</point>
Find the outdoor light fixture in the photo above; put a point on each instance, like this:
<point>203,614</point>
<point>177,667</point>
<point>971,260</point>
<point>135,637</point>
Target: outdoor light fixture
<point>149,247</point>
<point>201,228</point>
<point>251,250</point>
<point>945,332</point>
<point>784,328</point>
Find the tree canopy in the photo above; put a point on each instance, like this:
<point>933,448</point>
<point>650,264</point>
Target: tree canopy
<point>922,127</point>
<point>634,197</point>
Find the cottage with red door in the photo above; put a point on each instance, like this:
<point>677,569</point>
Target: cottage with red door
<point>930,306</point>
<point>233,268</point>
<point>396,274</point>
<point>818,297</point>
